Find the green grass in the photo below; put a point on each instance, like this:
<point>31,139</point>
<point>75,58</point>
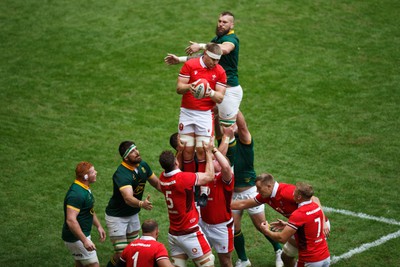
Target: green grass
<point>321,98</point>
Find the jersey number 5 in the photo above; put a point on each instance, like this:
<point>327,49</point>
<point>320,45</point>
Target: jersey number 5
<point>170,203</point>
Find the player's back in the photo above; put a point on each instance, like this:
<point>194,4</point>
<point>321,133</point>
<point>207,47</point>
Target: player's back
<point>177,187</point>
<point>144,252</point>
<point>310,235</point>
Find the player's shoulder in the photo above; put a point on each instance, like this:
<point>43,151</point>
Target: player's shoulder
<point>143,164</point>
<point>193,62</point>
<point>231,37</point>
<point>285,186</point>
<point>220,69</point>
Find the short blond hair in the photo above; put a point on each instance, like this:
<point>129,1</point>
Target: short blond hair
<point>305,190</point>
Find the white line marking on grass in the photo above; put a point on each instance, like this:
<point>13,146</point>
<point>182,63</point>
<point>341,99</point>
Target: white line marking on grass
<point>366,246</point>
<point>362,215</point>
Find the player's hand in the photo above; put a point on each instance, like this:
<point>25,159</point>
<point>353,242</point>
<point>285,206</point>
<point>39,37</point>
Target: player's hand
<point>89,245</point>
<point>192,87</point>
<point>327,230</point>
<point>147,205</point>
<point>278,225</point>
<point>171,59</point>
<point>192,48</point>
<point>209,92</point>
<point>229,131</point>
<point>181,145</point>
<point>102,233</point>
<point>208,146</point>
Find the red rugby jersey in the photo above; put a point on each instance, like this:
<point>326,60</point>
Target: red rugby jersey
<point>194,70</point>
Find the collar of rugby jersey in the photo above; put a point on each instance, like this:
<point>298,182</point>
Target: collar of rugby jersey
<point>147,237</point>
<point>130,167</point>
<point>305,203</point>
<point>202,63</point>
<point>81,184</point>
<point>275,189</point>
<point>171,173</point>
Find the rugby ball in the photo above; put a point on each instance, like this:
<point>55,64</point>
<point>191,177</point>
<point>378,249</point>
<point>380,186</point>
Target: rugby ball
<point>200,88</point>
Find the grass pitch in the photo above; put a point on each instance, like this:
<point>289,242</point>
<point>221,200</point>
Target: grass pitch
<point>321,98</point>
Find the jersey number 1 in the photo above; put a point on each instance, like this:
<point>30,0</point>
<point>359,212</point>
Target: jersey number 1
<point>135,258</point>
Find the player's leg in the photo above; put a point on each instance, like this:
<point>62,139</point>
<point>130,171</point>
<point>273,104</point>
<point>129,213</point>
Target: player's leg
<point>324,263</point>
<point>225,259</point>
<point>290,252</point>
<point>207,260</point>
<point>89,263</point>
<point>203,129</point>
<point>179,260</point>
<point>229,107</point>
<point>117,233</point>
<point>178,255</point>
<point>221,237</point>
<point>187,121</point>
<point>257,219</point>
<point>189,164</point>
<point>239,240</point>
<point>133,228</point>
<point>120,229</point>
<point>203,132</point>
<point>82,257</point>
<point>194,245</point>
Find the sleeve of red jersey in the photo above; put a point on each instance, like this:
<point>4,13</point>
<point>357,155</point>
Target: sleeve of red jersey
<point>161,253</point>
<point>296,220</point>
<point>259,199</point>
<point>185,71</point>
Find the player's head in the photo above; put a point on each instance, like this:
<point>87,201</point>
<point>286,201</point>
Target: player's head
<point>217,166</point>
<point>226,22</point>
<point>168,161</point>
<point>150,227</point>
<point>173,140</point>
<point>265,184</point>
<point>85,171</point>
<point>212,55</point>
<point>129,152</point>
<point>303,192</point>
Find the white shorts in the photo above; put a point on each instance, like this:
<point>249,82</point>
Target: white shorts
<point>79,252</point>
<point>248,194</point>
<point>229,107</point>
<point>120,226</point>
<point>219,235</point>
<point>196,121</point>
<point>194,245</point>
<point>324,263</point>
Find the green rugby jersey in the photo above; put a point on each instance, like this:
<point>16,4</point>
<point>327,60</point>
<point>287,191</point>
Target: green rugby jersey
<point>127,175</point>
<point>230,61</point>
<point>243,166</point>
<point>79,197</point>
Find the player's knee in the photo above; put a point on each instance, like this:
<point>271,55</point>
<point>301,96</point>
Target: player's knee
<point>226,122</point>
<point>289,251</point>
<point>207,261</point>
<point>119,244</point>
<point>178,262</point>
<point>187,139</point>
<point>132,237</point>
<point>92,262</point>
<point>200,139</point>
